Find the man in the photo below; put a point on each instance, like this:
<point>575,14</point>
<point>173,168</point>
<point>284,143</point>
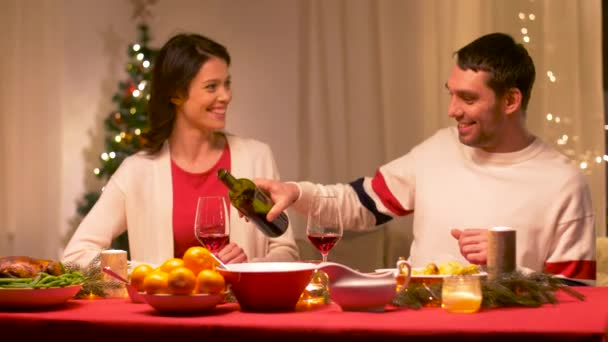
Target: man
<point>487,171</point>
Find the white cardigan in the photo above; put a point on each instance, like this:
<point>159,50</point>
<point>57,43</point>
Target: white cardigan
<point>139,197</point>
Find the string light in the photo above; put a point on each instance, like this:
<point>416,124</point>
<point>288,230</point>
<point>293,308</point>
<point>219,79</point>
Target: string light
<point>585,158</point>
<point>146,64</point>
<point>137,131</point>
<point>118,139</point>
<point>96,171</point>
<point>105,156</point>
<point>136,47</point>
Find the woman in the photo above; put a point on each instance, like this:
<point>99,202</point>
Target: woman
<point>153,194</point>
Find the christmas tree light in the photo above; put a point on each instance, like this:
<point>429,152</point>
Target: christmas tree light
<point>124,125</point>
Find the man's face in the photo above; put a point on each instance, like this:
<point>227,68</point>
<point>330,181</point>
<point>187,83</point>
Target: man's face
<point>477,110</point>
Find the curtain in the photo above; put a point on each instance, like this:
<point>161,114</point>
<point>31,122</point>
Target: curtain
<point>30,127</point>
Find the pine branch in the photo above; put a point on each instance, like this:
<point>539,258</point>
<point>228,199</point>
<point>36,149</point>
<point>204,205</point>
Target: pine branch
<point>95,283</point>
<point>509,290</point>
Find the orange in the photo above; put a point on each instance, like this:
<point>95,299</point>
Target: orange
<point>198,258</point>
<point>138,274</point>
<point>181,281</point>
<point>171,264</point>
<point>156,282</point>
<point>210,282</point>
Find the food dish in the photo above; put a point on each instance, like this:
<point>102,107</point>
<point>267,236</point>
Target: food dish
<point>32,298</point>
<point>425,276</point>
<point>182,304</point>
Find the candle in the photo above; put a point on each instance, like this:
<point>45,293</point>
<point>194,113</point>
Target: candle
<point>501,251</point>
<point>116,260</point>
<point>461,294</point>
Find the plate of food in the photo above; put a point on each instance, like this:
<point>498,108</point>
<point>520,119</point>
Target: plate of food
<point>30,297</point>
<point>31,282</point>
<point>446,269</point>
<point>183,303</point>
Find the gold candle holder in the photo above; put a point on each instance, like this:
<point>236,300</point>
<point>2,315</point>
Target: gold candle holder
<point>316,292</point>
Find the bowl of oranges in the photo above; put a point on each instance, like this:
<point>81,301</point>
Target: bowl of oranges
<point>186,284</point>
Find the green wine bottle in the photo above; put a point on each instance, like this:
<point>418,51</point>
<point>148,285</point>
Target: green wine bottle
<point>254,203</point>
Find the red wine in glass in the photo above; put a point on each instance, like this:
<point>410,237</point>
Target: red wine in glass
<point>324,242</point>
<point>211,224</point>
<point>214,242</point>
<point>324,225</point>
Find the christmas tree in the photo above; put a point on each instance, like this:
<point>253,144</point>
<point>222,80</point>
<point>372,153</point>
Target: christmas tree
<point>125,125</point>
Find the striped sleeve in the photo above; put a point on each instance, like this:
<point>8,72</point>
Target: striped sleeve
<point>573,256</point>
<point>375,195</point>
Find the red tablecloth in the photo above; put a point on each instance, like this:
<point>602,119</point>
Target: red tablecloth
<point>119,320</point>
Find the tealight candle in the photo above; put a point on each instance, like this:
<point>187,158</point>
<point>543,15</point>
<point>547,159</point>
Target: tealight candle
<point>461,294</point>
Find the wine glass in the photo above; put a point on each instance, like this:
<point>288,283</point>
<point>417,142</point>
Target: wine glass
<point>324,225</point>
<point>211,223</point>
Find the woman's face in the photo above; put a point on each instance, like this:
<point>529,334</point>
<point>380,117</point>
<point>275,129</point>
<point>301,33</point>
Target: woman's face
<point>209,94</point>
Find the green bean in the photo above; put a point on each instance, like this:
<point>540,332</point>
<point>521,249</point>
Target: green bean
<point>47,279</point>
<point>15,286</point>
<point>14,280</point>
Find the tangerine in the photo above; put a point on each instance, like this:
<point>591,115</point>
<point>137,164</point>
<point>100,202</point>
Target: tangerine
<point>171,264</point>
<point>210,282</point>
<point>138,274</point>
<point>181,281</point>
<point>198,258</point>
<point>156,282</point>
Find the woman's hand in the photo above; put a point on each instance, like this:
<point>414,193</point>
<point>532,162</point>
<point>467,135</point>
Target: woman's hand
<point>473,244</point>
<point>231,254</point>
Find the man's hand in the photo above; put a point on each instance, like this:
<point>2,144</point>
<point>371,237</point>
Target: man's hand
<point>231,254</point>
<point>283,195</point>
<point>473,244</point>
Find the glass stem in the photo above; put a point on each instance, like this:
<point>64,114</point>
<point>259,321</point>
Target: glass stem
<point>324,257</point>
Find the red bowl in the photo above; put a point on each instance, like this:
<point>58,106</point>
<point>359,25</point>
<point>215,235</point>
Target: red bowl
<point>268,286</point>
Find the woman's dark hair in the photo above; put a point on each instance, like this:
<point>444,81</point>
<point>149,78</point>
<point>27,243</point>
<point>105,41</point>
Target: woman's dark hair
<point>177,63</point>
<point>507,62</point>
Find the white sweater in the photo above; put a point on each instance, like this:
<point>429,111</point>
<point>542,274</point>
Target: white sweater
<point>139,198</point>
<point>449,185</point>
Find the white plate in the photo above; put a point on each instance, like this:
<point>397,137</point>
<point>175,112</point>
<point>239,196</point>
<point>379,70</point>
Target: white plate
<point>431,276</point>
<point>24,298</point>
<point>183,303</point>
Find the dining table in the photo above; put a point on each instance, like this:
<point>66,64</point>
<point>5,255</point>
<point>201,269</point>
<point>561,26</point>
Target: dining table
<point>119,319</point>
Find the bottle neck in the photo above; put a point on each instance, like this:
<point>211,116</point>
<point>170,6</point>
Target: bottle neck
<point>227,178</point>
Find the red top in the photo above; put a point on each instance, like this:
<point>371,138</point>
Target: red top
<point>187,187</point>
